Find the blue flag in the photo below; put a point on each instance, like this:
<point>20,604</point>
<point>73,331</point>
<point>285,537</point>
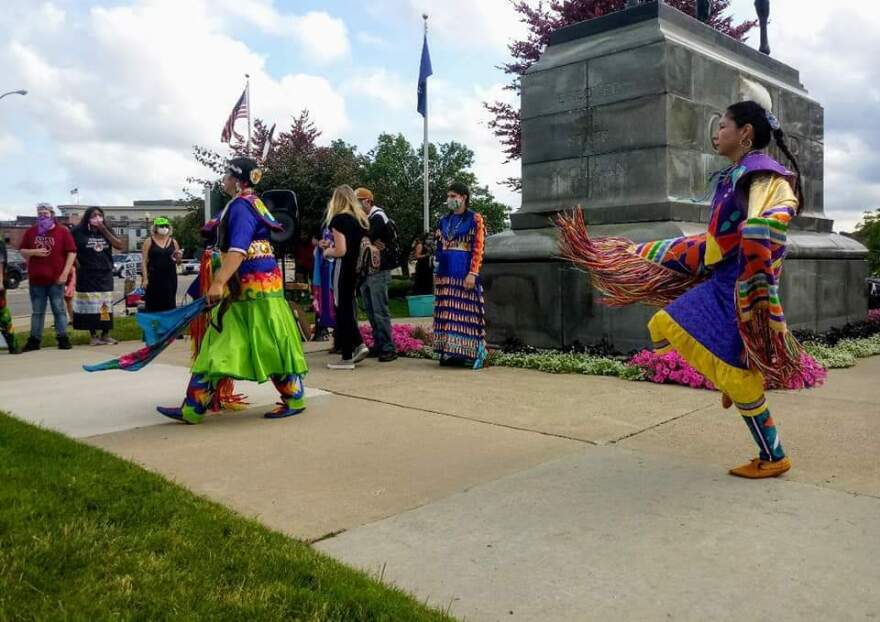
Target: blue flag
<point>424,71</point>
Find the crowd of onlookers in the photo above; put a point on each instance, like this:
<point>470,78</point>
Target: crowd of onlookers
<point>71,271</point>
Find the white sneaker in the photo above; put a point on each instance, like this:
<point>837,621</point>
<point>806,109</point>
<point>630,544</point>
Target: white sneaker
<point>360,354</point>
<point>341,364</point>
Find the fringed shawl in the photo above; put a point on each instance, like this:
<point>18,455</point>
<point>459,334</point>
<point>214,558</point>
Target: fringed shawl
<point>752,208</point>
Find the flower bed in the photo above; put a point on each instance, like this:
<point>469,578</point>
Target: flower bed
<point>671,368</point>
<point>834,349</point>
<point>407,338</point>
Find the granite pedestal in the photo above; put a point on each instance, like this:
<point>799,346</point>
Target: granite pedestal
<point>617,119</point>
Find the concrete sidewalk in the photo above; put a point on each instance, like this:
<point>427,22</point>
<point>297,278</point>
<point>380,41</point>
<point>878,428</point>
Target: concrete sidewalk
<point>512,494</point>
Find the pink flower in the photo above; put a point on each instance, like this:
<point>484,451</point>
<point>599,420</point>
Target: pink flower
<point>672,368</point>
<point>401,335</point>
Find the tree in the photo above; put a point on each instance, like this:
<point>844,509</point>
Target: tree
<point>295,161</point>
<point>393,170</point>
<point>394,173</point>
<point>187,229</point>
<point>542,22</point>
<point>868,233</point>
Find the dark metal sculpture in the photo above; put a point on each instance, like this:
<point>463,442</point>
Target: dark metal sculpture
<point>763,8</point>
<point>704,8</point>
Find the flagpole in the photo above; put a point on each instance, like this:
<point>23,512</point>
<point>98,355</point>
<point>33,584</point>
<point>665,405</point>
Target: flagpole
<point>426,205</point>
<point>248,89</point>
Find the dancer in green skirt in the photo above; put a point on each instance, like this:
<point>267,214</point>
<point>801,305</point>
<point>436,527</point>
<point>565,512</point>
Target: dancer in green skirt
<point>252,333</point>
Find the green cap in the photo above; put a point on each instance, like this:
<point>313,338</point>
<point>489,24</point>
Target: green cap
<point>161,221</point>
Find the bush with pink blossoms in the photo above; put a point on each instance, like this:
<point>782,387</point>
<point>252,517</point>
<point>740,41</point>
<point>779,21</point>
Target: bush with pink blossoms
<point>401,335</point>
<point>671,368</point>
<point>812,374</point>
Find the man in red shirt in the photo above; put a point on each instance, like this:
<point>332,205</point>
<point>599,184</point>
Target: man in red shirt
<point>50,252</point>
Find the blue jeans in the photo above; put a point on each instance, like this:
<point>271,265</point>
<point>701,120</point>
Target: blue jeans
<point>55,295</point>
<point>375,294</point>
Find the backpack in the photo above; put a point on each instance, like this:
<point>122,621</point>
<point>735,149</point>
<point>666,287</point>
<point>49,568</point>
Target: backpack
<point>369,260</point>
<point>391,254</point>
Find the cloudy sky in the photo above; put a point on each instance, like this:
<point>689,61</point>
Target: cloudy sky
<point>119,90</point>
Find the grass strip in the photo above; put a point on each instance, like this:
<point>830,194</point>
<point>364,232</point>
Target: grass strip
<point>86,535</point>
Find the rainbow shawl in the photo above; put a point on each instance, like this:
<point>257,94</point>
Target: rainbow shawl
<point>658,272</point>
<point>261,211</point>
<point>161,329</point>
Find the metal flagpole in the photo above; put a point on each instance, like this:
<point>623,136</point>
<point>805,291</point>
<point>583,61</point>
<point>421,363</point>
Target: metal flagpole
<point>427,209</point>
<point>248,89</point>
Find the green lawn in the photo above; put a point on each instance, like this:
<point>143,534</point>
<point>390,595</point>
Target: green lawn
<point>125,328</point>
<point>87,536</point>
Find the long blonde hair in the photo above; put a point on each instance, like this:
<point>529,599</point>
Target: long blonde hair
<point>344,201</point>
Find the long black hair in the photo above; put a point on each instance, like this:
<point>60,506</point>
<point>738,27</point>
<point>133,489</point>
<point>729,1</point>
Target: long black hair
<point>87,216</point>
<point>754,114</point>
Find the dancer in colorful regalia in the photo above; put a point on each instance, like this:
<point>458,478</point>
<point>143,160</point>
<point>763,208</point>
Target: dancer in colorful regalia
<point>5,316</point>
<point>459,312</point>
<point>251,334</point>
<point>720,289</point>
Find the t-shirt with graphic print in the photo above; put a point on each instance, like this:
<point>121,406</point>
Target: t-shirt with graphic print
<point>46,270</point>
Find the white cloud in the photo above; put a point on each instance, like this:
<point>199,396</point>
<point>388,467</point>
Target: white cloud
<point>9,145</point>
<point>470,23</point>
<point>835,47</point>
<point>121,94</point>
<point>370,39</point>
<point>460,115</point>
<point>384,86</point>
<point>322,37</point>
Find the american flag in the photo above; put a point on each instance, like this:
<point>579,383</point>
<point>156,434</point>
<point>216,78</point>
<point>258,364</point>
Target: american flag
<point>239,111</point>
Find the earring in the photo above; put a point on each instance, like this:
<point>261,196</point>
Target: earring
<point>746,144</point>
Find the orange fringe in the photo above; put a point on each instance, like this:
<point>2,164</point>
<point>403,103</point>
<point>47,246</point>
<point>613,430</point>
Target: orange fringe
<point>776,354</point>
<point>615,269</point>
<point>225,397</point>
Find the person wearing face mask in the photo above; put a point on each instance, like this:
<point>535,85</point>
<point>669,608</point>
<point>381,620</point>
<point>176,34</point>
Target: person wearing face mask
<point>93,300</point>
<point>459,321</point>
<point>50,252</point>
<point>162,254</point>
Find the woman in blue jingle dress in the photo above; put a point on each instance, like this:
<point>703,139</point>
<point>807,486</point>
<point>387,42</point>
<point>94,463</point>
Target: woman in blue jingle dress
<point>459,322</point>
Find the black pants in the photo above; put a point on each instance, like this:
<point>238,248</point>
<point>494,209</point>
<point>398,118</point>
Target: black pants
<point>348,336</point>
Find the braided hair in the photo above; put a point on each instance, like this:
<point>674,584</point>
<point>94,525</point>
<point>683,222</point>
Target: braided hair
<point>754,114</point>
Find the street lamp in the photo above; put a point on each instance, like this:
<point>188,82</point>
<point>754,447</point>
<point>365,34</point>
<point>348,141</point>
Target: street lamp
<point>19,92</point>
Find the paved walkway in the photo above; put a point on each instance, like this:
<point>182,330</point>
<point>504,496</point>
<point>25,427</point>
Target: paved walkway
<point>510,494</point>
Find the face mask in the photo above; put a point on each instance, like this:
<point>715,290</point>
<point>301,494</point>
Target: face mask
<point>96,220</point>
<point>163,230</point>
<point>453,204</point>
<point>44,223</point>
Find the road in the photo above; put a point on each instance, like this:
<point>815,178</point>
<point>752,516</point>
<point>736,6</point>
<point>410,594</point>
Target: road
<point>20,303</point>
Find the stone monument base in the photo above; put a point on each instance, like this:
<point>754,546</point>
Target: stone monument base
<point>533,297</point>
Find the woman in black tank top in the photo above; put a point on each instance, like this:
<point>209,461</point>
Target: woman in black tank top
<point>161,256</point>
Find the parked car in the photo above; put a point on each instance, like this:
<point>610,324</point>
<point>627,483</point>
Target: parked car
<point>130,263</point>
<point>189,266</point>
<point>16,269</point>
